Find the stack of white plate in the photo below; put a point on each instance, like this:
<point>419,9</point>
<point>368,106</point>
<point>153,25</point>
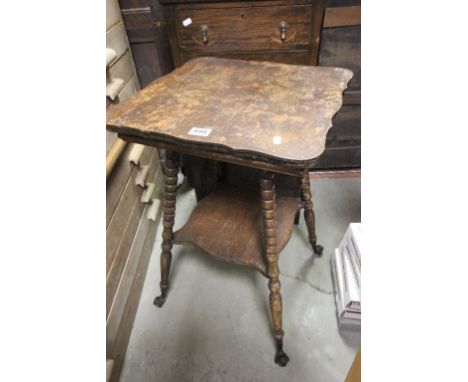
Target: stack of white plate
<point>346,270</point>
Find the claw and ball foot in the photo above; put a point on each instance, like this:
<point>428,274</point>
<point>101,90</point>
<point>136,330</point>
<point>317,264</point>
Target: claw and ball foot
<point>309,215</point>
<point>268,197</point>
<point>281,358</point>
<point>318,249</point>
<point>160,300</point>
<point>170,179</point>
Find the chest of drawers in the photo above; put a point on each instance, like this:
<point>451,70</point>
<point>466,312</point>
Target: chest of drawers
<point>279,31</point>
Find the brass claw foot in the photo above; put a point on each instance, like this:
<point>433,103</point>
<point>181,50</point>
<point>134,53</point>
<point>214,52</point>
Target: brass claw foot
<point>160,300</point>
<point>281,358</point>
<point>318,249</point>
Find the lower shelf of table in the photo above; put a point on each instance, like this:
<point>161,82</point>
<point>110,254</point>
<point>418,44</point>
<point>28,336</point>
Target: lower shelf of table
<point>228,225</point>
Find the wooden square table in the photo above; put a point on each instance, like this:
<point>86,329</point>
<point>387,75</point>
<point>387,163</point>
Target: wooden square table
<point>269,116</point>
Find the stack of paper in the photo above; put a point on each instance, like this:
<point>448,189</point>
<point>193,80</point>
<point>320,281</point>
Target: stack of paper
<point>346,270</point>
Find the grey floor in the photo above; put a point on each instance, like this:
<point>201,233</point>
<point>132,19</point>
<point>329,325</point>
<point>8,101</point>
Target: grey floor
<point>215,325</point>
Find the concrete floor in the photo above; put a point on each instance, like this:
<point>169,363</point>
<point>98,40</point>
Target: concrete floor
<point>215,325</point>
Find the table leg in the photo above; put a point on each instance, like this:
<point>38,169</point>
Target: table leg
<point>309,215</point>
<point>170,179</point>
<point>269,233</point>
<point>297,217</point>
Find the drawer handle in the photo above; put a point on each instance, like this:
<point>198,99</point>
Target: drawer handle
<point>204,31</point>
<point>204,41</point>
<point>282,27</point>
<point>283,39</point>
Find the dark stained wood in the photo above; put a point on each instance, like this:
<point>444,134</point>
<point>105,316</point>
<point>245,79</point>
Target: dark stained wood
<point>339,43</point>
<point>342,47</point>
<point>243,103</point>
<point>203,174</point>
<point>145,56</point>
<point>264,115</point>
<point>309,215</point>
<point>249,31</point>
<point>335,174</point>
<point>272,243</point>
<point>300,57</point>
<point>147,35</point>
<point>348,157</point>
<point>170,179</point>
<point>248,28</point>
<point>342,16</point>
<point>137,18</point>
<point>346,129</point>
<point>251,160</point>
<point>343,3</point>
<point>285,185</point>
<point>235,216</point>
<point>229,3</point>
<point>125,4</point>
<point>161,38</point>
<point>352,97</point>
<point>245,29</point>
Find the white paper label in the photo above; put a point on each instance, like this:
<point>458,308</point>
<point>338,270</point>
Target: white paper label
<point>200,131</point>
<point>187,22</point>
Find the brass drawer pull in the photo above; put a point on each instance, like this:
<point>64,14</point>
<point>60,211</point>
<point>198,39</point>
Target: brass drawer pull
<point>204,41</point>
<point>204,31</point>
<point>283,39</point>
<point>282,27</point>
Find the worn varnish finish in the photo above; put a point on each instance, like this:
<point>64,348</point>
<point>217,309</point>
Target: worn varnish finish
<point>275,110</point>
<point>235,215</point>
<point>309,215</point>
<point>270,236</point>
<point>271,117</point>
<point>245,29</point>
<point>339,40</point>
<point>170,179</point>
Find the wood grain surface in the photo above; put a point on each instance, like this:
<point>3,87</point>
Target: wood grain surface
<point>281,111</point>
<point>228,224</point>
<point>247,28</point>
<point>342,16</point>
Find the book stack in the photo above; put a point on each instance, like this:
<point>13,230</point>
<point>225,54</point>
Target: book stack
<point>346,270</point>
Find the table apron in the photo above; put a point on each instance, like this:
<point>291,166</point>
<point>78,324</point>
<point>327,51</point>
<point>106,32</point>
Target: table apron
<point>269,164</point>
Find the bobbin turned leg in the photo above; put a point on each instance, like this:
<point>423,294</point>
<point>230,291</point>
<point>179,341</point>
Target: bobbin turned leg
<point>269,233</point>
<point>309,215</point>
<point>170,179</point>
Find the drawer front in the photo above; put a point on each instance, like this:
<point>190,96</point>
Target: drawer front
<point>244,29</point>
<point>291,57</point>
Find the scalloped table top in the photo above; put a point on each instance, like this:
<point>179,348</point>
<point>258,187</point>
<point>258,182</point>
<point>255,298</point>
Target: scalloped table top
<point>268,109</point>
